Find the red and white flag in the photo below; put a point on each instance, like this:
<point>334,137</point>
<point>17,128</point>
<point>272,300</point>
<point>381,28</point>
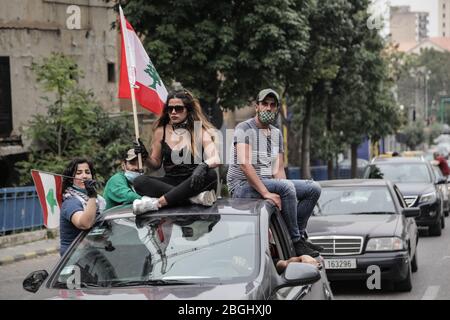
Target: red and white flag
<point>49,190</point>
<point>136,69</point>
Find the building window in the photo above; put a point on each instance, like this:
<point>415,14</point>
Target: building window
<point>443,6</point>
<point>5,98</point>
<point>443,15</point>
<point>111,72</point>
<point>443,24</point>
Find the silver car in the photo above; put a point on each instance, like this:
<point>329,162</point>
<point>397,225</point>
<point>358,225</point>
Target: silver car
<point>194,252</point>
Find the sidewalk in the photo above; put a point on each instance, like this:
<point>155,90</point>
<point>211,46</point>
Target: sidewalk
<point>28,251</point>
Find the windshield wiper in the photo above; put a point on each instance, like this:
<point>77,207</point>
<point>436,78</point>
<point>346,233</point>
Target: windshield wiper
<point>374,212</point>
<point>151,282</point>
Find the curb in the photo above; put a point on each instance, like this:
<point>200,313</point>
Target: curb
<point>28,255</point>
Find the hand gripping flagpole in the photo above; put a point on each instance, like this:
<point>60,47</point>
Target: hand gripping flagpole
<point>131,68</point>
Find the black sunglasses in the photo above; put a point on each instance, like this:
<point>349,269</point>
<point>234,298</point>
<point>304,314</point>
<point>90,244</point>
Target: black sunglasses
<point>178,109</point>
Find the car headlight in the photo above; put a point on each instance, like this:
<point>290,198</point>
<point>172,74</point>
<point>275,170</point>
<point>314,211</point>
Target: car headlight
<point>428,197</point>
<point>385,244</point>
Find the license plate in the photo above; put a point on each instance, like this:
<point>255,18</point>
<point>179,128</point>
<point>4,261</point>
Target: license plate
<point>340,263</point>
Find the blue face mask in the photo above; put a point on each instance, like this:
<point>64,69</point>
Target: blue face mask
<point>131,175</point>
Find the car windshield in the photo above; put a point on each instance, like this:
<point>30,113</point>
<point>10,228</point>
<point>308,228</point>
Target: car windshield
<point>181,249</point>
<point>354,200</point>
<point>400,172</point>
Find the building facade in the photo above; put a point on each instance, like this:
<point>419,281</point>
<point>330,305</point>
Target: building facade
<point>31,30</point>
<point>408,26</point>
<point>444,18</point>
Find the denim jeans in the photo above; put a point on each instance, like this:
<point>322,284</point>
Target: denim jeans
<point>298,198</point>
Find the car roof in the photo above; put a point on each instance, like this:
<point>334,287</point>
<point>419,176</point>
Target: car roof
<point>355,183</point>
<point>222,206</point>
<point>398,160</point>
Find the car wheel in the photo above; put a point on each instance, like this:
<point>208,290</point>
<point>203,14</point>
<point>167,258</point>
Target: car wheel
<point>443,222</point>
<point>414,265</point>
<point>436,229</point>
<point>404,285</point>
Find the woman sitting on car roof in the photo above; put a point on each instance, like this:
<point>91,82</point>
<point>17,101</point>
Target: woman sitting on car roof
<point>183,144</point>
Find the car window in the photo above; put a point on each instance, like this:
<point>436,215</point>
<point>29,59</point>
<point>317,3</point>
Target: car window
<point>354,200</point>
<point>400,172</point>
<point>204,248</point>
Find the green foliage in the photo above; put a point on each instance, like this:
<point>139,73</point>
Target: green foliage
<point>414,135</point>
<point>223,50</point>
<point>74,126</point>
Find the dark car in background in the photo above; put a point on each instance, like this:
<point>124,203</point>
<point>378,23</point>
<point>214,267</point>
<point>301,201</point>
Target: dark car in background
<point>364,223</point>
<point>419,186</point>
<point>193,252</point>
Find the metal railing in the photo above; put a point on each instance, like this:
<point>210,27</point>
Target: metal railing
<point>19,210</point>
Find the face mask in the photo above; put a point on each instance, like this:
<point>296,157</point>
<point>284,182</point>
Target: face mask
<point>131,175</point>
<point>267,117</point>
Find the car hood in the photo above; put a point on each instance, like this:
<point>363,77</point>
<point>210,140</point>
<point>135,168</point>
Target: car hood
<point>354,225</point>
<point>184,292</point>
<point>414,189</point>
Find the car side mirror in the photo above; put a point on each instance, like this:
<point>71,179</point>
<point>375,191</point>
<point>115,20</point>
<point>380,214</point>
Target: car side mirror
<point>299,274</point>
<point>411,212</point>
<point>441,180</point>
<point>34,280</point>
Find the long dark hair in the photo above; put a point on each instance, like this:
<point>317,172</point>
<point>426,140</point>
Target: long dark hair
<point>71,169</point>
<point>194,111</point>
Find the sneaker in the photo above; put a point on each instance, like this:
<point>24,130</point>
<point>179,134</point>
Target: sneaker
<point>206,198</point>
<point>145,204</point>
<point>314,246</point>
<point>301,248</point>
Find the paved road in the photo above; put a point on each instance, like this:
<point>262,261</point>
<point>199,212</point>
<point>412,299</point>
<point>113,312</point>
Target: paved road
<point>430,282</point>
<point>12,275</point>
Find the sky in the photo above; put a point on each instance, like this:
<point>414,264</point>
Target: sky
<point>431,6</point>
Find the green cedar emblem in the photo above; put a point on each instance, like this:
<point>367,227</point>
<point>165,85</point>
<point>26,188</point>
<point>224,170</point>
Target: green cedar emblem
<point>151,71</point>
<point>51,200</point>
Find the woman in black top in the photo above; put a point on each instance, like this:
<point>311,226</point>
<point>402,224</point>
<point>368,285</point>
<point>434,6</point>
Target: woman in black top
<point>183,144</point>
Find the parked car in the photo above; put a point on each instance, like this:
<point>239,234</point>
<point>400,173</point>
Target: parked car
<point>418,184</point>
<point>364,223</point>
<point>193,252</point>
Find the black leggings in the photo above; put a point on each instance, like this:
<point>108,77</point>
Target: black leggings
<point>177,191</point>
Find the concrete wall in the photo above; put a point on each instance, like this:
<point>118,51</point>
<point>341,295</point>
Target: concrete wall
<point>31,30</point>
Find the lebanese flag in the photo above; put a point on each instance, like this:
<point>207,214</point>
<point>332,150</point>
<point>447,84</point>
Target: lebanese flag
<point>49,190</point>
<point>136,69</point>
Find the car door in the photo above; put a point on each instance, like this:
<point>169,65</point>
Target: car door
<point>410,223</point>
<point>285,250</point>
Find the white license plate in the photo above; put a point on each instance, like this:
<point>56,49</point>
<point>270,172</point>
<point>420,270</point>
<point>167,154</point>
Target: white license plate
<point>340,263</point>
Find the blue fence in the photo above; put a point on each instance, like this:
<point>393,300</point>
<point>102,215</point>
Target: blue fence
<point>320,173</point>
<point>20,210</point>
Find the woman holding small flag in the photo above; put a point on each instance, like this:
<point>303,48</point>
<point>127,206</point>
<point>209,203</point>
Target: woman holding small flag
<point>80,203</point>
<point>183,145</point>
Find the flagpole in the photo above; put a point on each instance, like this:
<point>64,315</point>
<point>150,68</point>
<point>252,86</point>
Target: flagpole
<point>56,174</point>
<point>136,125</point>
<point>131,68</point>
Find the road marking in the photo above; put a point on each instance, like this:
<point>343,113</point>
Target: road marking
<point>431,293</point>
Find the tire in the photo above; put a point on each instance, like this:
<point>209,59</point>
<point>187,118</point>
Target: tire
<point>443,222</point>
<point>404,285</point>
<point>436,229</point>
<point>414,264</point>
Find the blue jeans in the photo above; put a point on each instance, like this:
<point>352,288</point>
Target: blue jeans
<point>298,198</point>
